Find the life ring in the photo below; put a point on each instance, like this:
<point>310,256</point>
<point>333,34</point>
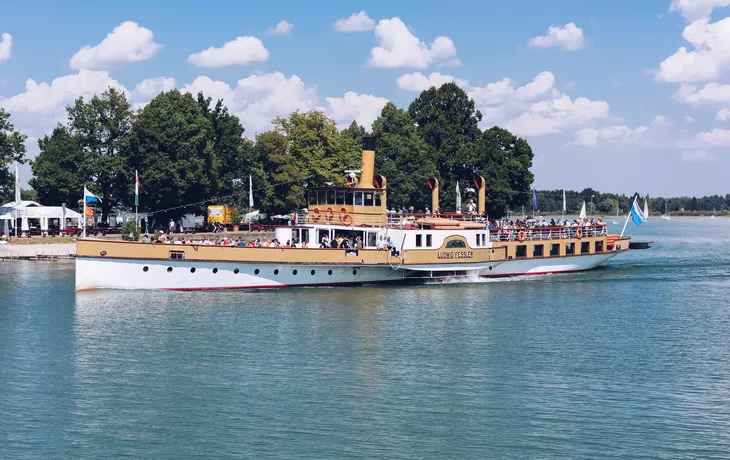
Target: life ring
<point>521,235</point>
<point>343,210</point>
<point>330,213</point>
<point>579,233</point>
<point>346,220</point>
<point>316,214</point>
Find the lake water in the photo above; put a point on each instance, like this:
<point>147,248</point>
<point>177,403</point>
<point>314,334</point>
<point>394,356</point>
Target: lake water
<point>628,361</point>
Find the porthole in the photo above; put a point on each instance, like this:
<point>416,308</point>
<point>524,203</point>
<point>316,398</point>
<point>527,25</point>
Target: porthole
<point>145,269</point>
<point>256,272</point>
<point>235,270</point>
<point>169,269</point>
<point>294,272</point>
<point>215,270</point>
<point>312,272</point>
<point>329,272</point>
<point>276,272</point>
<point>490,267</point>
<point>354,272</point>
<point>192,270</point>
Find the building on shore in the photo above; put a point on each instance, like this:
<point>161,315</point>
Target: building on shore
<point>32,217</point>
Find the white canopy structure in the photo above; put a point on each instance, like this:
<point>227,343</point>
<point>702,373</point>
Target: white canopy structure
<point>32,210</point>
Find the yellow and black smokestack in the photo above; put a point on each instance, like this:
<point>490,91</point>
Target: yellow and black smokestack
<point>481,186</point>
<point>368,162</point>
<point>434,184</point>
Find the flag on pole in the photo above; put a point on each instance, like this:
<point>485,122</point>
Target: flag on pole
<point>17,186</point>
<point>90,197</point>
<point>565,207</point>
<point>458,196</point>
<point>534,199</point>
<point>637,215</point>
<point>136,188</point>
<point>250,192</point>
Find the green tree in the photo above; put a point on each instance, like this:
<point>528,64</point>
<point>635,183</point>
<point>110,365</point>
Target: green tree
<point>354,132</point>
<point>403,158</point>
<point>101,128</point>
<point>12,149</point>
<point>59,170</point>
<point>172,147</point>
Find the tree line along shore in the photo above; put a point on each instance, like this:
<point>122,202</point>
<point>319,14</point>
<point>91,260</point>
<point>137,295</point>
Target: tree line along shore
<point>190,151</point>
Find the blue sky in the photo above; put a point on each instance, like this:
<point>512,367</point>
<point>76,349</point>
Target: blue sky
<point>615,104</point>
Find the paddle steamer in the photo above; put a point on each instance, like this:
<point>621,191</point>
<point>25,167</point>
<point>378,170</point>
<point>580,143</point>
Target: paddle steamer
<point>425,248</point>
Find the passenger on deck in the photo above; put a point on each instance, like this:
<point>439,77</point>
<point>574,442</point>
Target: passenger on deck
<point>325,242</point>
<point>381,242</point>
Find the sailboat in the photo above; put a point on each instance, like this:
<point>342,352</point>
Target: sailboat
<point>646,208</point>
<point>615,221</point>
<point>713,214</point>
<point>665,216</point>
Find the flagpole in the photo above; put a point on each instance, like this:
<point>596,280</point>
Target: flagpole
<point>83,214</point>
<point>627,218</point>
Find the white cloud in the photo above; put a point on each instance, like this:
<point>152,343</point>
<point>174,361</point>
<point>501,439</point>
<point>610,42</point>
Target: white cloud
<point>241,51</point>
<point>688,119</point>
<point>697,156</point>
<point>128,42</point>
<point>399,48</point>
<point>569,37</point>
<point>504,91</point>
<point>42,105</point>
<point>654,135</point>
<point>715,138</point>
<point>282,28</point>
<point>363,108</point>
<point>357,22</point>
<point>709,59</point>
<point>694,9</point>
<point>6,45</point>
<point>709,94</point>
<point>418,82</point>
<point>557,115</point>
<point>151,87</point>
<point>723,115</point>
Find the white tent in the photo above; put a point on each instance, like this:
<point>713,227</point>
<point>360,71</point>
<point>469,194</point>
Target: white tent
<point>32,210</point>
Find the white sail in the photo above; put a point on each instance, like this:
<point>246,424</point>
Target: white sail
<point>583,210</point>
<point>458,196</point>
<point>646,208</point>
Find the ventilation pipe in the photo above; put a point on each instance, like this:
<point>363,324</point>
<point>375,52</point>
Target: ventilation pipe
<point>434,184</point>
<point>481,186</point>
<point>368,162</point>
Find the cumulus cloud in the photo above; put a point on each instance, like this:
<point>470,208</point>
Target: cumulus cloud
<point>652,135</point>
<point>399,48</point>
<point>697,156</point>
<point>282,28</point>
<point>569,37</point>
<point>148,88</point>
<point>6,45</point>
<point>707,61</point>
<point>506,91</point>
<point>42,105</point>
<point>357,22</point>
<point>241,51</point>
<point>363,108</point>
<point>689,119</point>
<point>418,82</point>
<point>128,42</point>
<point>711,93</point>
<point>715,138</point>
<point>723,115</point>
<point>557,115</point>
<point>694,9</point>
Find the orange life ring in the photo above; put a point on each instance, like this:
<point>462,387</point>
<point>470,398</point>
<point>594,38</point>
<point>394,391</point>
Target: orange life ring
<point>579,233</point>
<point>330,213</point>
<point>521,235</point>
<point>316,214</point>
<point>346,220</point>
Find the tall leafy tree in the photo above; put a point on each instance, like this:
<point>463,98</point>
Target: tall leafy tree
<point>172,146</point>
<point>60,169</point>
<point>403,158</point>
<point>355,132</point>
<point>12,149</point>
<point>102,127</point>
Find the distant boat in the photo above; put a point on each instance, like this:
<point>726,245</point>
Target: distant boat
<point>665,216</point>
<point>713,214</point>
<point>646,208</point>
<point>615,221</point>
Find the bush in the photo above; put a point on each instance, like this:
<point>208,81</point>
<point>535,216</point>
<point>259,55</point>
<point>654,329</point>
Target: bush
<point>130,231</point>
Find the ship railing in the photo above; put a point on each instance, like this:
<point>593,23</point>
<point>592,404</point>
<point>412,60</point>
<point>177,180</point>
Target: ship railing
<point>358,220</point>
<point>546,233</point>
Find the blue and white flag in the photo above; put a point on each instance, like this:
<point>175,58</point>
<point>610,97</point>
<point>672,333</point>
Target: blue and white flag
<point>90,197</point>
<point>637,215</point>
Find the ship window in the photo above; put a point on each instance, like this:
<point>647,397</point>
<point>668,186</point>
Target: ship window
<point>329,272</point>
<point>585,248</point>
<point>294,236</point>
<point>419,241</point>
<point>215,270</point>
<point>599,246</point>
<point>235,271</point>
<point>340,197</point>
<point>368,199</point>
<point>377,199</point>
<point>521,251</point>
<point>570,248</point>
<point>312,197</point>
<point>537,250</point>
<point>322,197</point>
<point>177,255</point>
<point>484,239</point>
<point>256,272</point>
<point>354,272</point>
<point>330,197</point>
<point>358,198</point>
<point>169,269</point>
<point>294,272</point>
<point>456,244</point>
<point>276,272</point>
<point>192,270</point>
<point>554,249</point>
<point>305,236</point>
<point>349,197</point>
<point>145,269</point>
<point>479,239</point>
<point>428,241</point>
<point>372,239</point>
<point>312,272</point>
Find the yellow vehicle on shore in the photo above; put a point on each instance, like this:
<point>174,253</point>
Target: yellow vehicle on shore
<point>221,214</point>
